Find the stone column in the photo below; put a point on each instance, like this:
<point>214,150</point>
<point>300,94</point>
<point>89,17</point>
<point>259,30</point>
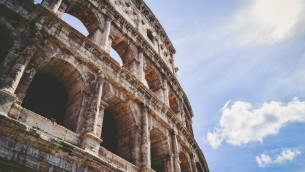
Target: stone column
<point>193,163</point>
<point>132,66</point>
<point>7,96</point>
<point>106,41</point>
<point>18,69</point>
<point>100,119</point>
<point>141,72</point>
<point>145,144</point>
<point>53,6</point>
<point>101,35</point>
<point>170,163</point>
<point>91,138</point>
<point>176,152</point>
<point>100,108</point>
<point>165,92</point>
<point>96,37</point>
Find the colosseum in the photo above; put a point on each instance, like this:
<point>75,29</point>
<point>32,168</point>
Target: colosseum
<point>67,105</point>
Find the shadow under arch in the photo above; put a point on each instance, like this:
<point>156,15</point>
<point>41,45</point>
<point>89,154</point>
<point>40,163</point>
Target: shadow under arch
<point>119,128</point>
<point>173,103</point>
<point>65,83</point>
<point>152,78</point>
<point>184,163</point>
<point>159,150</point>
<point>124,48</point>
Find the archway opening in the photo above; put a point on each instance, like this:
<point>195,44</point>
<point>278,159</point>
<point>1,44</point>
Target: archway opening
<point>47,97</point>
<point>6,42</point>
<point>66,85</point>
<point>119,130</point>
<point>109,133</point>
<point>173,103</point>
<point>116,56</point>
<point>75,23</point>
<point>184,163</point>
<point>152,79</point>
<point>159,150</point>
<point>81,18</point>
<point>123,50</point>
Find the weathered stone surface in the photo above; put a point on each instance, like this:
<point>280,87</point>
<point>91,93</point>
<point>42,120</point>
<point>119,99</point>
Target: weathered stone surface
<point>66,105</point>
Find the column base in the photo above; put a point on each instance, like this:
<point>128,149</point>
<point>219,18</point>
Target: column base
<point>91,143</point>
<point>6,101</point>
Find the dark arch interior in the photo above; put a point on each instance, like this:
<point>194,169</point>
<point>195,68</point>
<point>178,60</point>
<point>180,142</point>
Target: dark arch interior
<point>6,42</point>
<point>152,79</point>
<point>199,168</point>
<point>173,102</point>
<point>158,150</point>
<point>109,133</point>
<point>184,164</point>
<point>125,50</point>
<point>47,97</point>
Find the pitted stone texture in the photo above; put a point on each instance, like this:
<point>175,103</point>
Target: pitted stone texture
<point>150,116</point>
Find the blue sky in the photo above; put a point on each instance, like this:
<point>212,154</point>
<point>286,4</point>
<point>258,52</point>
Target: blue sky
<point>242,66</point>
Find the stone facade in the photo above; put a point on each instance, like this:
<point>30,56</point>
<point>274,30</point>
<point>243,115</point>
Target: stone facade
<point>67,105</point>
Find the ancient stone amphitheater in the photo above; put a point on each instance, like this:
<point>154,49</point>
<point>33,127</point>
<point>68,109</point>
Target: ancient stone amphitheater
<point>67,105</point>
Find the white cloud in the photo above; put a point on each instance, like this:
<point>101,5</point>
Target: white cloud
<point>269,21</point>
<point>264,159</point>
<point>241,124</point>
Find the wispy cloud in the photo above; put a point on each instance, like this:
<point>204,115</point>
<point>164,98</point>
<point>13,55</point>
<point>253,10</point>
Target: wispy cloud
<point>241,124</point>
<point>269,21</point>
<point>258,24</point>
<point>287,155</point>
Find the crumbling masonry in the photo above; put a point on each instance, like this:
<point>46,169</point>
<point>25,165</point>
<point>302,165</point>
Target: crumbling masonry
<point>67,105</point>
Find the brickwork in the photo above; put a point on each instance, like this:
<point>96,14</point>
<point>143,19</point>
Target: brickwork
<point>133,117</point>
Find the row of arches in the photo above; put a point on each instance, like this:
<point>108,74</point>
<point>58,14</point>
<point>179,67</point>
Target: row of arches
<point>59,91</point>
<point>89,22</point>
<point>152,77</point>
<point>52,93</point>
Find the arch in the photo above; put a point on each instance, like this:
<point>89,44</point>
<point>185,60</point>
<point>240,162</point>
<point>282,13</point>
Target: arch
<point>159,150</point>
<point>116,56</point>
<point>152,78</point>
<point>184,163</point>
<point>173,103</point>
<point>119,130</point>
<point>83,13</point>
<point>123,46</point>
<point>75,23</point>
<point>47,97</point>
<point>56,72</point>
<point>6,42</point>
<point>124,49</point>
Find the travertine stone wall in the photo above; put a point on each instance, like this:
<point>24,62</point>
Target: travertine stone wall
<point>150,111</point>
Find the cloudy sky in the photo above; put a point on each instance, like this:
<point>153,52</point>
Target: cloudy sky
<point>242,65</point>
